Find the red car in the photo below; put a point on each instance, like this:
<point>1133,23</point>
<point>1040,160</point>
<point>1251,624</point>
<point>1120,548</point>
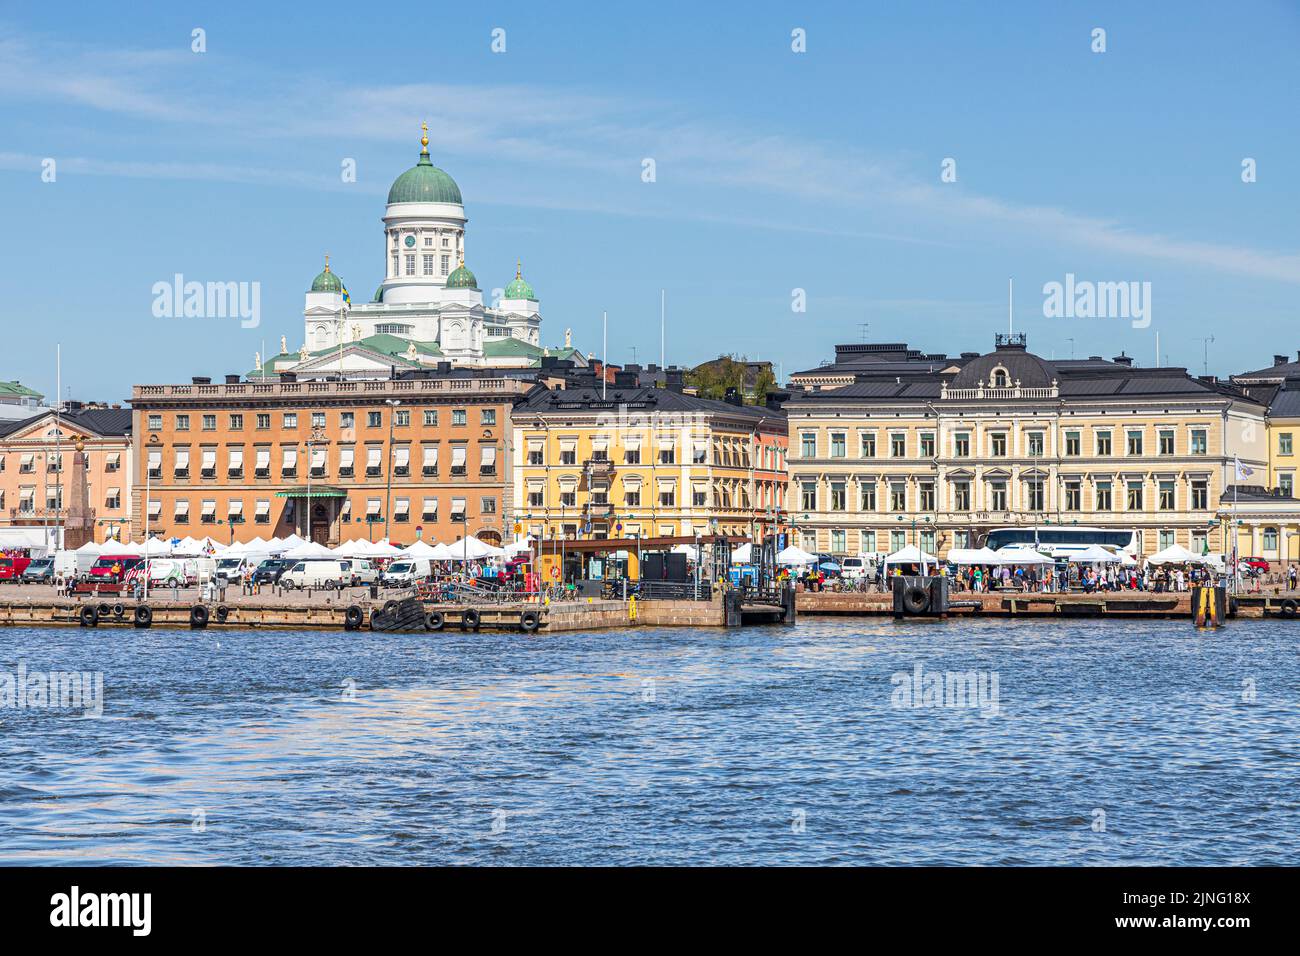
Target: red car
<point>1255,564</point>
<point>11,569</point>
<point>105,563</point>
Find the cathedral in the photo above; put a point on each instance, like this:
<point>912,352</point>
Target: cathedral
<point>428,309</point>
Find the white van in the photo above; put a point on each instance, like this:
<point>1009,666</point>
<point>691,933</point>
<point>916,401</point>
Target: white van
<point>317,573</point>
<point>404,572</point>
<point>855,569</point>
<point>173,572</point>
<point>232,569</point>
<point>360,571</point>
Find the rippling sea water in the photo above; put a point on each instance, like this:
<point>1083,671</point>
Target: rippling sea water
<point>759,745</point>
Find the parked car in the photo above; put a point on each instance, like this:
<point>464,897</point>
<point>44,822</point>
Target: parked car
<point>1256,564</point>
<point>40,571</point>
<point>362,571</point>
<point>271,570</point>
<point>12,568</point>
<point>109,568</point>
<point>404,572</point>
<point>854,569</point>
<point>316,573</point>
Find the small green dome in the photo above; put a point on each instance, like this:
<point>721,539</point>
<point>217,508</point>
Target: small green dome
<point>518,288</point>
<point>462,278</point>
<point>424,182</point>
<point>327,281</point>
<point>379,294</point>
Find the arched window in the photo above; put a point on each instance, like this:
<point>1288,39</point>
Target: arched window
<point>321,336</point>
<point>999,378</point>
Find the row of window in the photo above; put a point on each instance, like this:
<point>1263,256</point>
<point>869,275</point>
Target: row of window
<point>723,497</point>
<point>841,540</point>
<point>54,461</point>
<point>318,464</point>
<point>998,496</point>
<point>998,444</point>
<point>262,420</point>
<point>234,513</point>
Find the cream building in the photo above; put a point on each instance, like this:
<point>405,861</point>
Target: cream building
<point>891,446</point>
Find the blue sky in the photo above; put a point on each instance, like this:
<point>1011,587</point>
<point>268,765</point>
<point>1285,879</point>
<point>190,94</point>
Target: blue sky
<point>775,171</point>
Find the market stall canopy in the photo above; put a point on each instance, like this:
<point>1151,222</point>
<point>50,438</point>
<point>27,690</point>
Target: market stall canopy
<point>309,549</point>
<point>383,549</point>
<point>1094,554</point>
<point>156,548</point>
<point>1176,554</point>
<point>1024,556</point>
<point>689,550</point>
<point>357,548</point>
<point>471,549</point>
<point>89,548</point>
<point>911,555</point>
<point>973,556</point>
<point>419,550</point>
<point>519,545</point>
<point>743,554</point>
<point>795,555</point>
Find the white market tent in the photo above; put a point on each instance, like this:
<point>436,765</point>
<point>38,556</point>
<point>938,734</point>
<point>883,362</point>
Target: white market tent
<point>689,550</point>
<point>1094,554</point>
<point>309,549</point>
<point>1024,556</point>
<point>89,548</point>
<point>973,556</point>
<point>471,549</point>
<point>384,549</point>
<point>356,548</point>
<point>156,547</point>
<point>795,555</point>
<point>419,550</point>
<point>519,545</point>
<point>440,553</point>
<point>743,554</point>
<point>911,554</point>
<point>1176,554</point>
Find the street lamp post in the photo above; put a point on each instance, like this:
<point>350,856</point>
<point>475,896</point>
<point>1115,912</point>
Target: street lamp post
<point>392,404</point>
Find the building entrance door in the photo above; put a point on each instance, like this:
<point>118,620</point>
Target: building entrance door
<point>320,524</point>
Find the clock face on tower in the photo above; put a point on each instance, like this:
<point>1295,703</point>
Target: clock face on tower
<point>410,242</point>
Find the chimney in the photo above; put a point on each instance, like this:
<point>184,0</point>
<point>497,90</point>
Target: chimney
<point>732,396</point>
<point>625,379</point>
<point>201,380</point>
<point>444,368</point>
<point>1122,359</point>
<point>1279,360</point>
<point>288,376</point>
<point>674,379</point>
<point>775,399</point>
<point>232,379</point>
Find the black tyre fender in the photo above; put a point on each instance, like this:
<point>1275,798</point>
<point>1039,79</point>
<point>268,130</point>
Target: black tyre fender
<point>379,621</point>
<point>353,618</point>
<point>915,599</point>
<point>119,611</point>
<point>222,612</point>
<point>104,610</point>
<point>1288,608</point>
<point>88,617</point>
<point>530,620</point>
<point>143,616</point>
<point>1232,607</point>
<point>198,617</point>
<point>434,621</point>
<point>470,620</point>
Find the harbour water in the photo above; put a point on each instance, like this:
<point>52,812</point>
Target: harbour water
<point>1079,743</point>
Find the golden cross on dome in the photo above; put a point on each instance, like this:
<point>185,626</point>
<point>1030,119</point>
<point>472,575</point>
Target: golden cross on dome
<point>424,139</point>
<point>327,262</point>
<point>519,269</point>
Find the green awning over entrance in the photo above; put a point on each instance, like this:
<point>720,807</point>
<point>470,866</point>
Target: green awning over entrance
<point>317,491</point>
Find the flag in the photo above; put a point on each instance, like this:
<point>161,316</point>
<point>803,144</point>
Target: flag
<point>1242,471</point>
<point>347,299</point>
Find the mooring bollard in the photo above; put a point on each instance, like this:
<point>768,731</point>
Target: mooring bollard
<point>1209,606</point>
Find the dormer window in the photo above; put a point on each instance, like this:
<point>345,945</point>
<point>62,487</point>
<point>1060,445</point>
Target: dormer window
<point>1000,378</point>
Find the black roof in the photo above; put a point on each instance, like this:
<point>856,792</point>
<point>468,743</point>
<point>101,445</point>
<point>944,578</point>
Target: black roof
<point>101,421</point>
<point>584,398</point>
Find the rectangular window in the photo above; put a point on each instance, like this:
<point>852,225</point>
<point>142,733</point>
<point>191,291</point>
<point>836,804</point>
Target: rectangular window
<point>459,416</point>
<point>808,497</point>
<point>444,263</point>
<point>401,461</point>
<point>868,445</point>
<point>1285,484</point>
<point>487,460</point>
<point>1135,443</point>
<point>808,445</point>
<point>431,418</point>
<point>1135,496</point>
<point>898,445</point>
<point>209,423</point>
<point>1165,539</point>
<point>374,419</point>
<point>667,496</point>
<point>1073,496</point>
<point>487,506</point>
<point>262,421</point>
<point>1198,443</point>
<point>1035,489</point>
<point>1166,441</point>
<point>1199,542</point>
<point>487,416</point>
<point>374,461</point>
<point>428,265</point>
<point>867,542</point>
<point>429,464</point>
<point>410,265</point>
<point>897,496</point>
<point>1034,444</point>
<point>998,444</point>
<point>209,465</point>
<point>236,423</point>
<point>1167,496</point>
<point>262,463</point>
<point>961,496</point>
<point>1284,443</point>
<point>1201,494</point>
<point>1103,444</point>
<point>961,445</point>
<point>839,500</point>
<point>632,496</point>
<point>897,540</point>
<point>429,512</point>
<point>839,542</point>
<point>839,447</point>
<point>155,423</point>
<point>867,495</point>
<point>182,423</point>
<point>290,420</point>
<point>1073,444</point>
<point>1104,501</point>
<point>699,496</point>
<point>927,496</point>
<point>667,452</point>
<point>402,418</point>
<point>235,464</point>
<point>182,466</point>
<point>998,495</point>
<point>927,444</point>
<point>459,457</point>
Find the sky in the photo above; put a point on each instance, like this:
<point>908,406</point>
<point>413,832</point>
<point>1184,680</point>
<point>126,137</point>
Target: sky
<point>783,180</point>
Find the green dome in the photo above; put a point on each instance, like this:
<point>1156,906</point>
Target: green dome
<point>379,295</point>
<point>462,278</point>
<point>424,182</point>
<point>518,288</point>
<point>327,282</point>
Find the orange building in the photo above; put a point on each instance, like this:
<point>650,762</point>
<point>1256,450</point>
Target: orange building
<point>422,457</point>
<point>41,490</point>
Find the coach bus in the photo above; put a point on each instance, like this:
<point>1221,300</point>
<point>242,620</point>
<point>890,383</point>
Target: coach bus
<point>1061,539</point>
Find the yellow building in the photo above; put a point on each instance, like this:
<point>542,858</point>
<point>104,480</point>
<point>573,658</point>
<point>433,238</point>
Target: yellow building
<point>890,446</point>
<point>1264,507</point>
<point>625,461</point>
